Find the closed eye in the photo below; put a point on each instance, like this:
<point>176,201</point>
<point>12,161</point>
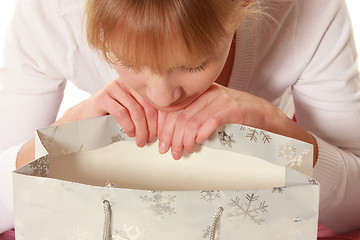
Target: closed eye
<point>200,68</point>
<point>126,66</point>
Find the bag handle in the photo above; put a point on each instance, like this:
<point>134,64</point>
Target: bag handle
<point>107,222</point>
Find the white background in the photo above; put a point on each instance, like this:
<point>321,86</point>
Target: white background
<point>73,95</point>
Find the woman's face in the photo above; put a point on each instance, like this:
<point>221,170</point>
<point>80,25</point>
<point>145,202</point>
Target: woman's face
<point>179,86</point>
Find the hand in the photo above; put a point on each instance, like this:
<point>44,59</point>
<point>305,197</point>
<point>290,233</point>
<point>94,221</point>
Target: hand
<point>135,115</point>
<point>217,106</point>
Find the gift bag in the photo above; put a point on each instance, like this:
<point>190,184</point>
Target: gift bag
<point>90,182</point>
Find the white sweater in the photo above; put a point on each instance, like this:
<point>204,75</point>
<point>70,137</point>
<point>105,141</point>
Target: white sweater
<point>310,50</point>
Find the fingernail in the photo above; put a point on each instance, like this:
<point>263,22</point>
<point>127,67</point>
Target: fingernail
<point>141,145</point>
<point>162,148</point>
<point>176,155</point>
<point>189,152</point>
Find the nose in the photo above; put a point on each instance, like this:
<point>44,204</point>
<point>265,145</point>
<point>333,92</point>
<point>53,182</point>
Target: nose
<point>162,90</point>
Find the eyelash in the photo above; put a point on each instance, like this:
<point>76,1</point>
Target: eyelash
<point>123,65</point>
<point>197,69</point>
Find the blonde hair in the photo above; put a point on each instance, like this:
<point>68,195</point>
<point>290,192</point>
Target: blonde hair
<point>152,33</point>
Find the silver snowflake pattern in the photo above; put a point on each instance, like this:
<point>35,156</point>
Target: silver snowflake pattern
<point>209,196</point>
<point>254,133</point>
<point>226,139</point>
<point>312,181</point>
<point>160,204</point>
<point>128,233</point>
<point>47,142</point>
<point>288,153</point>
<point>298,161</point>
<point>40,166</point>
<point>266,137</point>
<point>248,209</point>
<point>117,138</point>
<point>79,233</point>
<point>278,189</point>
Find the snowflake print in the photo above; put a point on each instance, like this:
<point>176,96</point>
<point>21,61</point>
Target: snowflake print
<point>79,233</point>
<point>210,196</point>
<point>312,181</point>
<point>40,166</point>
<point>266,137</point>
<point>278,189</point>
<point>159,204</point>
<point>47,142</point>
<point>288,153</point>
<point>129,233</point>
<point>254,133</point>
<point>226,139</point>
<point>300,158</point>
<point>117,138</point>
<point>248,209</point>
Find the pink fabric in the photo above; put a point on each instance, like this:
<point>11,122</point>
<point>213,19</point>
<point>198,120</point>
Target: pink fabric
<point>9,235</point>
<point>325,233</point>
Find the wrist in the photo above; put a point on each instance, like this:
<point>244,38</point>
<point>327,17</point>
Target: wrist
<point>285,126</point>
<point>26,154</point>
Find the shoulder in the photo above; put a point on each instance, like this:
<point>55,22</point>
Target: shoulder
<point>51,7</point>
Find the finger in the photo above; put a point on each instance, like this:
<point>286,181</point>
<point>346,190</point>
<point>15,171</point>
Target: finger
<point>121,115</point>
<point>188,120</point>
<point>207,115</point>
<point>151,115</point>
<point>177,144</point>
<point>167,131</point>
<point>161,121</point>
<point>135,111</point>
<point>210,125</point>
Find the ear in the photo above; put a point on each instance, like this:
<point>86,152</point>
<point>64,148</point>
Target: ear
<point>246,3</point>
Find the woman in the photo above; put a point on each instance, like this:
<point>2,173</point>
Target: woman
<point>175,70</point>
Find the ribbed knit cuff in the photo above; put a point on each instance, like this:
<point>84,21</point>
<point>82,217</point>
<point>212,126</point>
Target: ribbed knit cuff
<point>7,166</point>
<point>328,169</point>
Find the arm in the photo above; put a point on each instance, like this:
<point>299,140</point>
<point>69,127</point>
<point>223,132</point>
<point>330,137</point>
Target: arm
<point>327,101</point>
<point>32,84</point>
<point>38,60</point>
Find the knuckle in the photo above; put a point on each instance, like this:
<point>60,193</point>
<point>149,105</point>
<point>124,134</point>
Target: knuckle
<point>215,121</point>
<point>194,124</point>
<point>120,112</point>
<point>183,119</point>
<point>151,113</point>
<point>137,113</point>
<point>142,135</point>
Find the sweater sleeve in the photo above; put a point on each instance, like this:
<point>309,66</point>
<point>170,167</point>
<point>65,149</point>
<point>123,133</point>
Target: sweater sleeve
<point>327,103</point>
<point>7,165</point>
<point>33,78</point>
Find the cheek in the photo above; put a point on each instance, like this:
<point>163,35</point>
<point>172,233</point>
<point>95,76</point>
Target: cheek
<point>131,79</point>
